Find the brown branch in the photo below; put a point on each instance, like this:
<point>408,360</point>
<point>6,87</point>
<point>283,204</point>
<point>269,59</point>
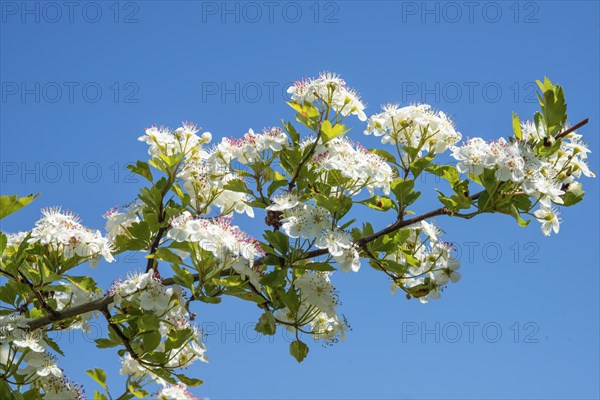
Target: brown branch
<point>71,312</point>
<point>572,129</point>
<point>38,296</point>
<point>154,247</point>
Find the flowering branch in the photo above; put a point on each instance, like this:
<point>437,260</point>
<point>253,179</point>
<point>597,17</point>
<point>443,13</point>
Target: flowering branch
<point>308,197</point>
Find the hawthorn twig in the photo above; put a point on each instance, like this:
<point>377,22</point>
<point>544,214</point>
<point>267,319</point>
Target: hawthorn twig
<point>104,302</point>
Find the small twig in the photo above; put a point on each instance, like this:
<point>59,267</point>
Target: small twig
<point>572,129</point>
<point>154,247</point>
<point>39,296</point>
<point>117,330</point>
<point>304,161</point>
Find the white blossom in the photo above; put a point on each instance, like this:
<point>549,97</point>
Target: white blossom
<point>332,90</point>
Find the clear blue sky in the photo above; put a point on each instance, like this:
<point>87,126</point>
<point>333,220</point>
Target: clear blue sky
<point>79,85</point>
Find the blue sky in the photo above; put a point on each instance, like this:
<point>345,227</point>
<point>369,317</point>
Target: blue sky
<point>80,82</point>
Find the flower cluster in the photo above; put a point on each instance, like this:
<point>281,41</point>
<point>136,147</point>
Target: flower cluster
<point>147,293</point>
<point>63,232</point>
<point>204,181</point>
<point>360,166</point>
<point>183,140</point>
<point>317,308</point>
<point>430,263</point>
<point>24,353</point>
<point>546,177</point>
<point>314,222</point>
<point>250,147</point>
<point>12,327</point>
<point>416,126</point>
<point>225,241</point>
<point>329,88</point>
<point>118,221</point>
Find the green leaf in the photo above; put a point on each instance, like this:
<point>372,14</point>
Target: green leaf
<point>299,350</point>
<point>418,165</point>
<point>148,323</point>
<point>183,276</point>
<point>554,107</point>
<point>335,205</point>
<point>379,203</point>
<point>278,240</point>
<point>276,185</point>
<point>405,195</point>
<point>517,215</point>
<point>249,296</point>
<point>230,281</point>
<point>139,393</point>
<point>384,154</point>
<point>53,345</point>
<point>237,185</point>
<point>177,338</point>
<point>11,204</point>
<point>274,278</point>
<point>330,132</point>
<point>516,125</point>
<point>99,396</point>
<point>573,196</point>
<point>522,202</point>
<point>266,324</point>
<point>141,168</point>
<point>120,318</point>
<point>84,283</point>
<point>393,266</point>
<point>447,172</point>
<point>105,343</point>
<point>307,110</point>
<point>291,130</point>
<point>210,300</point>
<point>151,340</point>
<point>189,381</point>
<point>166,255</point>
<point>315,266</point>
<point>99,376</point>
<point>3,242</point>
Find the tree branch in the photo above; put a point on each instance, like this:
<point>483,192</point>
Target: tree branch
<point>154,248</point>
<point>105,301</point>
<point>38,295</point>
<point>572,129</point>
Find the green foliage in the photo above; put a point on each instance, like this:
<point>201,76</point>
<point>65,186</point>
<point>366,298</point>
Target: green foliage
<point>330,132</point>
<point>516,125</point>
<point>266,324</point>
<point>272,282</point>
<point>379,203</point>
<point>554,107</point>
<point>142,169</point>
<point>11,204</point>
<point>299,350</point>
